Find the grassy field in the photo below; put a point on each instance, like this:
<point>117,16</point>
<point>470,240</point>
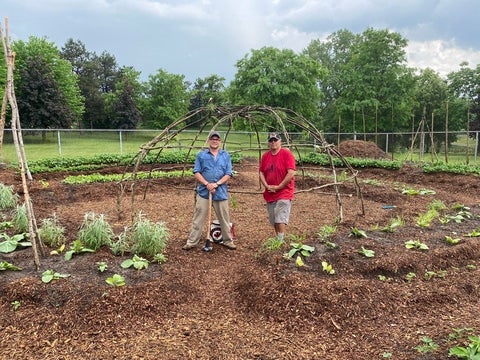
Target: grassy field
<point>88,143</point>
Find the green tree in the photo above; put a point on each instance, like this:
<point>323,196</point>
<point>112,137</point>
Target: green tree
<point>464,85</point>
<point>47,93</point>
<point>123,104</point>
<point>378,92</point>
<point>334,54</point>
<point>207,90</point>
<point>166,100</point>
<point>431,98</point>
<point>278,78</point>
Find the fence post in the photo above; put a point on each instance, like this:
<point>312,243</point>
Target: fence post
<point>121,142</point>
<point>59,140</point>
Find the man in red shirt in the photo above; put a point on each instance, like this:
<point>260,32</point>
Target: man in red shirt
<point>277,171</point>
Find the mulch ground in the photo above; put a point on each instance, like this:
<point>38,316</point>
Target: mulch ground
<point>252,303</point>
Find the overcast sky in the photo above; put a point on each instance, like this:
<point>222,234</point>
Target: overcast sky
<point>198,38</point>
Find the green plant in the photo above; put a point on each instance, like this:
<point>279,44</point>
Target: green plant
<point>149,238</point>
<point>272,244</point>
<point>325,232</point>
<point>160,258</point>
<point>116,280</point>
<point>4,225</point>
<point>416,244</point>
<point>410,276</point>
<point>428,345</point>
<point>121,246</point>
<point>76,247</point>
<point>136,261</point>
<point>101,266</point>
<point>366,252</point>
<point>15,305</point>
<point>452,241</point>
<point>328,268</point>
<point>12,242</point>
<point>471,351</point>
<point>418,192</point>
<point>51,233</point>
<point>20,219</point>
<point>474,233</point>
<point>357,233</point>
<point>393,225</point>
<point>49,275</point>
<point>8,199</point>
<point>5,265</point>
<point>299,248</point>
<point>95,231</point>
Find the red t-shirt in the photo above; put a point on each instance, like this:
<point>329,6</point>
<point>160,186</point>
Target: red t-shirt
<point>274,168</point>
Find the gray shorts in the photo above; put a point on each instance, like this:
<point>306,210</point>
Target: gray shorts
<point>279,211</point>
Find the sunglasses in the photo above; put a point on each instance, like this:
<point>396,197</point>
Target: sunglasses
<point>273,140</point>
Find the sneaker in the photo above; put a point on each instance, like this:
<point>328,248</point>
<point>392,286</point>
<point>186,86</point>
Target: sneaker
<point>230,245</point>
<point>187,247</point>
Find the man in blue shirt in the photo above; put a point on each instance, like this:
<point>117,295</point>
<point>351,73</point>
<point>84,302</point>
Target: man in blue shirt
<point>212,170</point>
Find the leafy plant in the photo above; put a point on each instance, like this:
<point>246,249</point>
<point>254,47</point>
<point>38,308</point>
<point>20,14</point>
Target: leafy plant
<point>299,248</point>
<point>328,268</point>
<point>393,225</point>
<point>470,352</point>
<point>474,233</point>
<point>15,305</point>
<point>8,199</point>
<point>12,242</point>
<point>102,266</point>
<point>20,219</point>
<point>410,276</point>
<point>366,252</point>
<point>416,244</point>
<point>5,265</point>
<point>418,192</point>
<point>116,280</point>
<point>95,231</point>
<point>325,232</point>
<point>272,244</point>
<point>76,247</point>
<point>452,241</point>
<point>51,232</point>
<point>136,261</point>
<point>428,345</point>
<point>149,238</point>
<point>160,258</point>
<point>357,233</point>
<point>49,275</point>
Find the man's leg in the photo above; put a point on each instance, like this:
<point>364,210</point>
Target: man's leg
<point>199,215</point>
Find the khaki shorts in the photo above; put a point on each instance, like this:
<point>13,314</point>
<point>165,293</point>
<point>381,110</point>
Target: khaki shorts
<point>279,211</point>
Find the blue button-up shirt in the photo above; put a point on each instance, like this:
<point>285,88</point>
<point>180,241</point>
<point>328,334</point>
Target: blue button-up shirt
<point>213,169</point>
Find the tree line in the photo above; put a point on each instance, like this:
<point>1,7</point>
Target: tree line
<point>346,83</point>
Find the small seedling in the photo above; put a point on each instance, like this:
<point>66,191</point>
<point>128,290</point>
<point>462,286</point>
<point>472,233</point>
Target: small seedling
<point>272,244</point>
<point>474,233</point>
<point>384,278</point>
<point>76,248</point>
<point>452,241</point>
<point>328,268</point>
<point>410,276</point>
<point>15,305</point>
<point>394,224</point>
<point>137,262</point>
<point>102,266</point>
<point>116,280</point>
<point>49,275</point>
<point>299,262</point>
<point>160,258</point>
<point>358,233</point>
<point>416,244</point>
<point>5,265</point>
<point>428,345</point>
<point>58,251</point>
<point>366,252</point>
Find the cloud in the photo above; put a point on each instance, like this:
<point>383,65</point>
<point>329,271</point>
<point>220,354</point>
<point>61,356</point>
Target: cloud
<point>440,55</point>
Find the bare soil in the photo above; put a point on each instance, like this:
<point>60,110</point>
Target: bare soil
<point>252,303</point>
